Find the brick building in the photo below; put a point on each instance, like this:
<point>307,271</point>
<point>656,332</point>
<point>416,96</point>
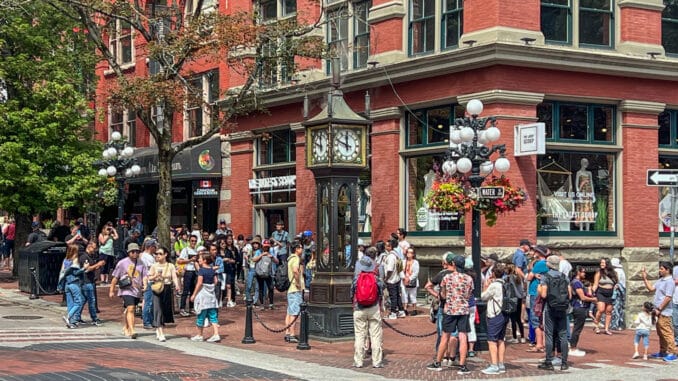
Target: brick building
<point>600,74</point>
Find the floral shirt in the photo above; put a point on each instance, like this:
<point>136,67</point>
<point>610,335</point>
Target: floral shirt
<point>458,290</point>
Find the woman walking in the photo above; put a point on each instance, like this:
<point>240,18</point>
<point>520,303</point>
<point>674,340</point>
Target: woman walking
<point>71,278</point>
<point>165,273</point>
<point>106,239</point>
<point>603,285</point>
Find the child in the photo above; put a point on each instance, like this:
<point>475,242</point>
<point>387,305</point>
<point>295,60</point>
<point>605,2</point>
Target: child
<point>206,304</point>
<point>643,323</point>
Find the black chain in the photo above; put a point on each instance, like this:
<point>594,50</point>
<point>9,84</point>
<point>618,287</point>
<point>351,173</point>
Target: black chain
<point>386,323</point>
<point>323,330</point>
<point>256,316</point>
<point>40,289</point>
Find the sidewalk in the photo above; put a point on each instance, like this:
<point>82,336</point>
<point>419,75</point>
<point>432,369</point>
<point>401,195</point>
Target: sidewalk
<point>404,357</point>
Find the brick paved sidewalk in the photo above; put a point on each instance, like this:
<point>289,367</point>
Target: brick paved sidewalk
<point>404,357</point>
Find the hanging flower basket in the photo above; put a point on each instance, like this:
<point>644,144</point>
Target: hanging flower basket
<point>452,195</point>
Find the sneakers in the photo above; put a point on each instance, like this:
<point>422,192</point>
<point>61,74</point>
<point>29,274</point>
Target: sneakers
<point>670,357</point>
<point>392,316</point>
<point>161,338</point>
<point>545,366</point>
<point>148,327</point>
<point>658,355</point>
<point>645,357</point>
<point>98,322</point>
<point>294,339</point>
<point>435,366</point>
<point>270,306</point>
<point>197,338</point>
<point>380,365</point>
<point>65,319</point>
<point>401,314</point>
<point>556,361</point>
<point>230,304</point>
<point>214,339</point>
<point>577,353</point>
<point>635,355</point>
<point>357,365</point>
<point>184,313</point>
<point>522,340</point>
<point>502,368</point>
<point>492,369</point>
<point>463,370</point>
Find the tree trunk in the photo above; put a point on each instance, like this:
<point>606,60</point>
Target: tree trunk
<point>23,227</point>
<point>165,156</point>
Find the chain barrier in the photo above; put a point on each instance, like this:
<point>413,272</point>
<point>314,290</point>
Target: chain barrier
<point>420,336</point>
<point>39,286</point>
<point>281,330</point>
<point>323,330</point>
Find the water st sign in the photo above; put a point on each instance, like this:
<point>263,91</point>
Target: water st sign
<point>662,177</point>
<point>491,192</point>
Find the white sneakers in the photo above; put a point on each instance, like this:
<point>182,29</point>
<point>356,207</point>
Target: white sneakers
<point>230,304</point>
<point>392,316</point>
<point>401,314</point>
<point>214,339</point>
<point>576,353</point>
<point>197,338</point>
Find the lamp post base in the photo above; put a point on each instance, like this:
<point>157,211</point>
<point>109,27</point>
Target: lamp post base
<point>481,327</point>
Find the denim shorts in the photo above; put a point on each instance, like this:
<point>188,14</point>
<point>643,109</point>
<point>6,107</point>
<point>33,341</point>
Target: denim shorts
<point>644,334</point>
<point>294,300</point>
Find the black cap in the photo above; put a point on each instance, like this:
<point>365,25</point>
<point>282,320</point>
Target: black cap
<point>525,242</point>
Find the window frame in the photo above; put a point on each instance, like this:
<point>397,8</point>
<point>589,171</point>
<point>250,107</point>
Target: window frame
<point>455,111</point>
<point>459,14</point>
<point>423,20</point>
<point>116,43</point>
<point>361,13</point>
<point>209,82</point>
<point>125,124</point>
<point>575,24</point>
<point>611,26</point>
<point>674,22</point>
<point>555,122</point>
<point>339,11</point>
<point>570,21</point>
<point>267,138</point>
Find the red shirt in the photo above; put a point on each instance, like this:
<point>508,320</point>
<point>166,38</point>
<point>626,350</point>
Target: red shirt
<point>10,232</point>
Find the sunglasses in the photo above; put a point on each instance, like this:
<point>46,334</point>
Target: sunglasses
<point>159,253</point>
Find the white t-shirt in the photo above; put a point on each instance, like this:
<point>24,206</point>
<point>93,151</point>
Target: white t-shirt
<point>185,253</point>
<point>390,265</point>
<point>147,259</point>
<point>565,267</point>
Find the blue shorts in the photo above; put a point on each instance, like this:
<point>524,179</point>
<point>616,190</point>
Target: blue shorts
<point>644,334</point>
<point>210,314</point>
<point>294,300</point>
<point>534,319</point>
<point>496,328</point>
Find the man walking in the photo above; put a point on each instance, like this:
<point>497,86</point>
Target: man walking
<point>393,280</point>
<point>295,294</point>
<point>94,262</point>
<point>663,290</point>
<point>366,292</point>
<point>133,279</point>
<point>147,257</point>
<point>555,289</point>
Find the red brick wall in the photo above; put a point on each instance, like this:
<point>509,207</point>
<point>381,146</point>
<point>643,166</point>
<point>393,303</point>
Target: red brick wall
<point>641,25</point>
<point>385,143</point>
<point>386,36</point>
<point>483,14</point>
<point>640,201</point>
<point>240,205</point>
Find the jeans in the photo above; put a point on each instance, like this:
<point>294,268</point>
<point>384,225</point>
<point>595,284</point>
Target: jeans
<point>190,277</point>
<point>579,315</point>
<point>74,301</point>
<point>147,312</point>
<point>555,324</point>
<point>251,284</point>
<point>439,326</point>
<point>642,334</point>
<point>394,297</point>
<point>265,284</point>
<point>89,293</point>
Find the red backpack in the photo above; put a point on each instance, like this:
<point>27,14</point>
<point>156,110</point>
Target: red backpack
<point>366,290</point>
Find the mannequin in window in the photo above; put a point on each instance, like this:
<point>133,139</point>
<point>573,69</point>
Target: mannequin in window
<point>432,224</point>
<point>585,197</point>
<point>367,226</point>
<point>665,213</point>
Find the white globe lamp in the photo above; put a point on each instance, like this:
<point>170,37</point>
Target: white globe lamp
<point>112,152</point>
<point>111,171</point>
<point>482,138</point>
<point>116,136</point>
<point>486,168</point>
<point>464,165</point>
<point>136,169</point>
<point>128,151</point>
<point>128,172</point>
<point>105,154</point>
<point>467,134</point>
<point>502,165</point>
<point>449,167</point>
<point>455,136</point>
<point>492,134</point>
<point>474,107</point>
<point>103,172</point>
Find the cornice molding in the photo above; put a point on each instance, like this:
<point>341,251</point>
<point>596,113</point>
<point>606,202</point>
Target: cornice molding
<point>503,96</point>
<point>653,5</point>
<point>239,136</point>
<point>641,107</point>
<point>636,126</point>
<point>385,113</point>
<point>386,11</point>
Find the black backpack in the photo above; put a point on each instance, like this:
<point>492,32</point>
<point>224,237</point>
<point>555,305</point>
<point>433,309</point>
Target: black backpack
<point>557,296</point>
<point>280,280</point>
<point>509,301</point>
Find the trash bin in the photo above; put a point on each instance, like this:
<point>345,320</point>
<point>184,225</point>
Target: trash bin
<point>46,257</point>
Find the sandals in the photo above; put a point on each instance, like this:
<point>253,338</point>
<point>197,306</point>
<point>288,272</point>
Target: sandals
<point>535,350</point>
<point>596,330</point>
<point>608,333</point>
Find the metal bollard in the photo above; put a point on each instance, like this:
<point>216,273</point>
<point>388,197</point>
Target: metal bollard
<point>248,339</point>
<point>303,328</point>
<point>34,285</point>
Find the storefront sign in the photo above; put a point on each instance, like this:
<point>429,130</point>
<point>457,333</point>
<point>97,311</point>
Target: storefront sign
<point>205,189</point>
<point>200,161</point>
<point>273,183</point>
<point>529,139</point>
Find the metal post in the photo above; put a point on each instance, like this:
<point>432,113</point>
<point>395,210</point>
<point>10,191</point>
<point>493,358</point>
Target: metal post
<point>121,208</point>
<point>303,328</point>
<point>481,328</point>
<point>34,285</point>
<point>248,339</point>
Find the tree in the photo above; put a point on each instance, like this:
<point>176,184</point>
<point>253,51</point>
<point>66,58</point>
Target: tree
<point>46,143</point>
<point>175,34</point>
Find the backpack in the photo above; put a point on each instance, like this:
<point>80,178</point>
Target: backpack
<point>281,280</point>
<point>557,296</point>
<point>509,301</point>
<point>263,267</point>
<point>366,289</point>
<point>399,263</point>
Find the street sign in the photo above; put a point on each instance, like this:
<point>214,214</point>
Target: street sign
<point>662,177</point>
<point>491,192</point>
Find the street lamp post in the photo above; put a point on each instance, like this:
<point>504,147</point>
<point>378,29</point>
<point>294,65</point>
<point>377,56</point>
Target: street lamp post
<point>118,163</point>
<point>470,155</point>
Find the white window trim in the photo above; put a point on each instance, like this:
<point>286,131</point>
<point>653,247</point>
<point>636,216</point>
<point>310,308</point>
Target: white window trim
<point>115,38</point>
<point>350,30</point>
<point>206,120</point>
<point>126,116</point>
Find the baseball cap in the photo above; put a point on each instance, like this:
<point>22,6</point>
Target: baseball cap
<point>266,243</point>
<point>459,262</point>
<point>35,224</point>
<point>150,243</point>
<point>222,221</point>
<point>201,248</point>
<point>525,242</point>
<point>307,233</point>
<point>249,238</point>
<point>448,257</point>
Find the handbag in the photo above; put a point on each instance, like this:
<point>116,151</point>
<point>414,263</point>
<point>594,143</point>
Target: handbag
<point>125,283</point>
<point>159,286</point>
<point>412,283</point>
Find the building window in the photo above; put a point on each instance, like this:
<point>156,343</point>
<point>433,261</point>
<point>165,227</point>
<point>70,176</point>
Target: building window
<point>670,27</point>
<point>275,147</point>
<point>274,186</point>
<point>361,33</point>
<point>348,34</point>
<point>574,122</point>
<point>201,93</point>
<point>276,63</point>
<point>665,198</point>
<point>124,122</point>
<point>575,192</point>
<point>208,6</point>
<point>422,26</point>
<point>668,129</point>
<point>431,126</point>
<point>422,171</point>
<point>276,9</point>
<point>337,34</point>
<point>593,21</point>
<point>120,42</point>
<point>453,23</point>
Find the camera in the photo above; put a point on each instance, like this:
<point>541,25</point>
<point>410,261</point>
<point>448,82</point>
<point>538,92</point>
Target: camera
<point>110,230</point>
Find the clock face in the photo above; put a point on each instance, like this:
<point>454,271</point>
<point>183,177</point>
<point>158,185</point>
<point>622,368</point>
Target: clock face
<point>347,145</point>
<point>320,147</point>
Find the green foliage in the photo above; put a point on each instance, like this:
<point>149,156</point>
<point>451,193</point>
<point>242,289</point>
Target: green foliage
<point>46,144</point>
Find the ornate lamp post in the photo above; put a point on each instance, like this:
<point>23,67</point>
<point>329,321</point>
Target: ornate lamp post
<point>118,163</point>
<point>470,155</point>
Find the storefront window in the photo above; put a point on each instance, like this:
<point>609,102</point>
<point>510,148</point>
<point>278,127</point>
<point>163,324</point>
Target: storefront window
<point>421,173</point>
<point>276,147</point>
<point>667,203</point>
<point>431,126</point>
<point>274,187</point>
<point>578,122</point>
<point>575,192</point>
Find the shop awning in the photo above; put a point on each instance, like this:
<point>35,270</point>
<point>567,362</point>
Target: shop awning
<point>197,162</point>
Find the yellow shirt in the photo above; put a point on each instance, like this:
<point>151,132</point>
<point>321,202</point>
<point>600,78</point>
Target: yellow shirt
<point>293,262</point>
